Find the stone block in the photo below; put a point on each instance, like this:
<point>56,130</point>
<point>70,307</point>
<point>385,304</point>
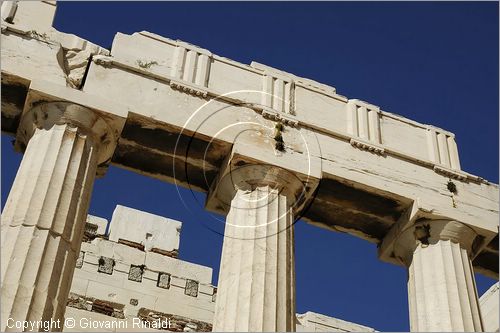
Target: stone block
<point>36,15</point>
<point>43,59</point>
<point>145,50</point>
<point>79,285</point>
<point>189,307</point>
<point>206,289</point>
<point>103,248</point>
<point>176,267</point>
<point>101,223</point>
<point>122,295</point>
<point>150,275</point>
<point>204,297</point>
<point>121,267</point>
<point>91,258</point>
<point>79,261</point>
<point>106,291</point>
<point>115,279</point>
<point>489,305</point>
<point>88,247</point>
<point>128,254</point>
<point>315,322</point>
<point>146,287</point>
<point>149,230</point>
<point>177,282</point>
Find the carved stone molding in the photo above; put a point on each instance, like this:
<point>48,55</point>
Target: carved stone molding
<point>450,173</point>
<point>277,116</point>
<point>187,88</point>
<point>365,145</point>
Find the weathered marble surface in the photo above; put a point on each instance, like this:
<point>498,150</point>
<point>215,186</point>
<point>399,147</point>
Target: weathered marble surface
<point>256,289</point>
<point>315,322</point>
<point>257,280</point>
<point>151,231</point>
<point>442,291</point>
<point>44,216</point>
<point>489,304</point>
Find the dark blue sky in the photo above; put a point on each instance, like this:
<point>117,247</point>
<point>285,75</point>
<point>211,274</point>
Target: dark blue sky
<point>436,63</point>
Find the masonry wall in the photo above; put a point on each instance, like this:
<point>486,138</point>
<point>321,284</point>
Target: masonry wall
<point>132,280</point>
<point>122,281</point>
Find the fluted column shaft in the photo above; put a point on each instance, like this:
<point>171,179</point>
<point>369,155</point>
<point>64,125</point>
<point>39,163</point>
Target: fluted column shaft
<point>256,289</point>
<point>442,293</point>
<point>441,290</point>
<point>44,216</point>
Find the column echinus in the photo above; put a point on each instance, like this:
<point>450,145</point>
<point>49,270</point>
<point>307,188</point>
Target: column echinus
<point>442,290</point>
<point>45,212</point>
<point>256,290</point>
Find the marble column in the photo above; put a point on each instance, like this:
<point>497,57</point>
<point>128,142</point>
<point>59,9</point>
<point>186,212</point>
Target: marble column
<point>44,216</point>
<point>256,289</point>
<point>442,291</point>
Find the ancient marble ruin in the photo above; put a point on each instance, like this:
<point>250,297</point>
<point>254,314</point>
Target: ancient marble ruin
<point>266,146</point>
<point>129,271</point>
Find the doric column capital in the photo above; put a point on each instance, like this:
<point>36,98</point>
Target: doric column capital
<point>84,120</point>
<point>425,232</point>
<point>241,175</point>
<point>248,177</point>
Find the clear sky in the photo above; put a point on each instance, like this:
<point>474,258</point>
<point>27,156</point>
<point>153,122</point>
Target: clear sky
<point>435,63</point>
